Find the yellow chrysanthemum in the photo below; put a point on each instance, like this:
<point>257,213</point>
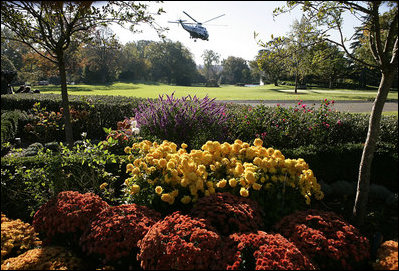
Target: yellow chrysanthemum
<point>221,183</point>
<point>129,167</point>
<point>244,192</point>
<point>134,189</point>
<point>256,186</point>
<point>233,182</point>
<point>127,150</point>
<point>103,186</point>
<point>258,142</point>
<point>184,145</point>
<point>158,190</point>
<point>185,199</point>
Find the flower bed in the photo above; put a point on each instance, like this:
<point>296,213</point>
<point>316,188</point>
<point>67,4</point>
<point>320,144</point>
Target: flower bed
<point>229,213</point>
<point>328,240</point>
<point>68,213</point>
<point>387,256</point>
<point>165,174</point>
<point>113,234</point>
<point>181,242</point>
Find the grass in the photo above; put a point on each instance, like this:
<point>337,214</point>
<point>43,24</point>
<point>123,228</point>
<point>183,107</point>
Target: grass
<point>225,92</point>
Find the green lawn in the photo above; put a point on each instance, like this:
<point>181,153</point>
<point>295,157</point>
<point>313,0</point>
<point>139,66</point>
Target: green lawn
<point>225,92</point>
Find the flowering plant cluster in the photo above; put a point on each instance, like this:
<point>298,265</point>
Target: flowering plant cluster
<point>125,135</point>
<point>326,238</point>
<point>298,125</point>
<point>188,119</point>
<point>387,256</point>
<point>47,126</point>
<point>67,213</point>
<point>46,258</point>
<point>180,178</point>
<point>16,237</point>
<point>229,213</point>
<point>113,234</point>
<point>180,242</point>
<point>263,251</point>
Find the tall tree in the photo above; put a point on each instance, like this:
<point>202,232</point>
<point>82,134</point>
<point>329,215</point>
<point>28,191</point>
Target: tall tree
<point>211,60</point>
<point>235,70</point>
<point>381,31</point>
<point>49,27</point>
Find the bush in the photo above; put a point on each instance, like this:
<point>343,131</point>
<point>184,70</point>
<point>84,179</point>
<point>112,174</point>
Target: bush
<point>104,111</point>
<point>113,234</point>
<point>263,251</point>
<point>46,258</point>
<point>387,256</point>
<point>64,218</point>
<point>229,213</point>
<point>162,176</point>
<point>180,242</point>
<point>187,120</point>
<point>16,237</point>
<point>29,182</point>
<point>303,124</point>
<point>10,121</point>
<point>329,241</point>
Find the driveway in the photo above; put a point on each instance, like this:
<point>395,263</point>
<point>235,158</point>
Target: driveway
<point>340,105</point>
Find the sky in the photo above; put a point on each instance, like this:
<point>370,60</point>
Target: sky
<point>229,35</point>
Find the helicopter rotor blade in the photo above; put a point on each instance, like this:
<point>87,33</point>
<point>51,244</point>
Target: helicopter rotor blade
<point>190,17</point>
<point>214,18</point>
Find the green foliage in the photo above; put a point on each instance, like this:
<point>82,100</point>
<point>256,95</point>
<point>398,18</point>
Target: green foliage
<point>28,182</point>
<point>9,124</point>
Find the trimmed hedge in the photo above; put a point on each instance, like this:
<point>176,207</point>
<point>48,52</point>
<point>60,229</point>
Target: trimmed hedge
<point>341,162</point>
<point>105,111</point>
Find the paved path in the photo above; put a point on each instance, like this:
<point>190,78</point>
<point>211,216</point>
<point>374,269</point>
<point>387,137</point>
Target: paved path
<point>344,106</point>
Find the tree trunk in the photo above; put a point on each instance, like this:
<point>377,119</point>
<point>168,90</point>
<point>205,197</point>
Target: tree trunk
<point>65,101</point>
<point>296,82</point>
<point>276,82</point>
<point>359,209</point>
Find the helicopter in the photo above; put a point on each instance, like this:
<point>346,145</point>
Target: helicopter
<point>196,30</point>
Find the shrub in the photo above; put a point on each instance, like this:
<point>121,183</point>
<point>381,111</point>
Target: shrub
<point>187,120</point>
<point>10,123</point>
<point>326,239</point>
<point>29,182</point>
<point>263,251</point>
<point>229,213</point>
<point>46,258</point>
<point>104,110</point>
<point>180,242</point>
<point>387,256</point>
<point>303,124</point>
<point>113,234</point>
<point>164,174</point>
<point>16,237</point>
<point>66,216</point>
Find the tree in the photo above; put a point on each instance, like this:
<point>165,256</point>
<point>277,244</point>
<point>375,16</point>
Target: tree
<point>271,59</point>
<point>103,53</point>
<point>50,27</point>
<point>211,60</point>
<point>235,70</point>
<point>381,32</point>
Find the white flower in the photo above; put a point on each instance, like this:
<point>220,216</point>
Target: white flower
<point>133,124</point>
<point>84,134</point>
<point>135,131</point>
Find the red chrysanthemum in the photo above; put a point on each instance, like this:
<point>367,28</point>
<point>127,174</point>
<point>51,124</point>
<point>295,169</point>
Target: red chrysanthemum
<point>68,213</point>
<point>328,240</point>
<point>180,242</point>
<point>229,213</point>
<point>113,234</point>
<point>263,251</point>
